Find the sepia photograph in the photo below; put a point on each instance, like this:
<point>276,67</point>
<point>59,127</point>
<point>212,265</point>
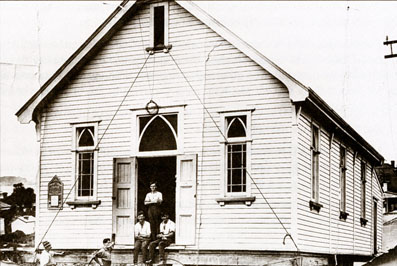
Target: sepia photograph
<point>207,133</point>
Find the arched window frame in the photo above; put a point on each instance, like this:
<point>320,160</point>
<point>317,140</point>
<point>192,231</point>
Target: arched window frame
<point>235,140</point>
<point>76,149</point>
<point>136,136</point>
<point>160,116</point>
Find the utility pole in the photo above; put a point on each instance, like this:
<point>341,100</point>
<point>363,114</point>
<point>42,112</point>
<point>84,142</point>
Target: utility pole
<point>387,42</point>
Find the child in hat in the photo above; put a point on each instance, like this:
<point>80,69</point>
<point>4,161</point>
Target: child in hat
<point>46,256</point>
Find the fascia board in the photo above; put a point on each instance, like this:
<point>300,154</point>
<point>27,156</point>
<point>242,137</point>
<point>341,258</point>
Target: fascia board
<point>25,114</point>
<point>297,91</point>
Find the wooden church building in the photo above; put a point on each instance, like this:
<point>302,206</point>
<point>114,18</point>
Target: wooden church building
<point>254,167</point>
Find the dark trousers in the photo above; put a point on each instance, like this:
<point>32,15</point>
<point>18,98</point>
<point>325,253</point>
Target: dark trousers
<point>105,262</point>
<point>162,245</point>
<point>154,213</point>
<point>140,245</point>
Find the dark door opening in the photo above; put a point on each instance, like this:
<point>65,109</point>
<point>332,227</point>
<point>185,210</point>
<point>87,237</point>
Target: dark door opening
<point>375,214</point>
<point>163,171</point>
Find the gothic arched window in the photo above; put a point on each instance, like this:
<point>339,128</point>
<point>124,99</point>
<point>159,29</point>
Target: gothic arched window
<point>236,153</point>
<point>158,133</point>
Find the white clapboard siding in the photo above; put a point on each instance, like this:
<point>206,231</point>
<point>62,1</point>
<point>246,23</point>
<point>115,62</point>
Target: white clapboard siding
<point>324,231</point>
<point>231,80</point>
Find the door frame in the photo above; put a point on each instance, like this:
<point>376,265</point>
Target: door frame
<point>375,225</point>
<point>133,184</point>
<point>137,176</point>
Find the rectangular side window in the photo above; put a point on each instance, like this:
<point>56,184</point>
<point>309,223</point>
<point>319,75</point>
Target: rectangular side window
<point>342,172</point>
<point>236,167</point>
<point>363,189</point>
<point>85,173</point>
<point>315,152</point>
<point>158,33</point>
<point>159,26</point>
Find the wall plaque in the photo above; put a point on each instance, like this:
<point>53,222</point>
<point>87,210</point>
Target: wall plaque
<point>55,193</point>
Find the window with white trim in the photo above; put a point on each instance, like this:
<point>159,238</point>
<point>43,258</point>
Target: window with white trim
<point>85,160</point>
<point>315,156</point>
<point>237,153</point>
<point>342,180</point>
<point>363,189</point>
<point>159,25</point>
<point>158,133</point>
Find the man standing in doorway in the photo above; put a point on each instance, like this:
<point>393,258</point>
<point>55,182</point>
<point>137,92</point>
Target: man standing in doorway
<point>153,201</point>
<point>142,237</point>
<point>164,239</point>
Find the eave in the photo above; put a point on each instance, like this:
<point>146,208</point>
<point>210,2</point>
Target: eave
<point>28,111</point>
<point>297,91</point>
<point>343,127</point>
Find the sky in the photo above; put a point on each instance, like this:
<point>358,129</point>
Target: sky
<point>334,47</point>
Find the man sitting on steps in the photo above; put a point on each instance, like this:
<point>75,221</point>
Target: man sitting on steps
<point>142,237</point>
<point>164,239</point>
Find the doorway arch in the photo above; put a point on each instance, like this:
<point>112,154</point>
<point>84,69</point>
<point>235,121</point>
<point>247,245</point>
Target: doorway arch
<point>158,133</point>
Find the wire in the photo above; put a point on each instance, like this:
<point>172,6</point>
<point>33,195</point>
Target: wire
<point>96,147</point>
<point>202,145</point>
<point>140,70</point>
<point>143,50</point>
<point>38,47</point>
<point>198,97</point>
<point>176,261</point>
<point>154,68</point>
<point>56,215</point>
<point>253,181</point>
<point>275,214</point>
<point>346,76</point>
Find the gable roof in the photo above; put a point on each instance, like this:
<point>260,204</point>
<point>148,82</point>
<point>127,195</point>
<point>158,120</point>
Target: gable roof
<point>297,91</point>
<point>27,112</point>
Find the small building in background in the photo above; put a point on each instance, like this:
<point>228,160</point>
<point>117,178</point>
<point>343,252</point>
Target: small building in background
<point>388,175</point>
<point>25,224</point>
<point>3,207</point>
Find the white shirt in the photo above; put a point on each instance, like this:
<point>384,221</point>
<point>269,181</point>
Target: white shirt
<point>46,258</point>
<point>142,230</point>
<point>167,228</point>
<point>155,197</point>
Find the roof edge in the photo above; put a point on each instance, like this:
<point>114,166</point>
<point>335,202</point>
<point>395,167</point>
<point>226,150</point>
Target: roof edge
<point>339,121</point>
<point>25,113</point>
<point>297,91</point>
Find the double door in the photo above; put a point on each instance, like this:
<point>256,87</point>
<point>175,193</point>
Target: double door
<point>125,195</point>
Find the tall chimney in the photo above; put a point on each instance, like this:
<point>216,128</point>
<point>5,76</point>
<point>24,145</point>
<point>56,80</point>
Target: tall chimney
<point>392,164</point>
